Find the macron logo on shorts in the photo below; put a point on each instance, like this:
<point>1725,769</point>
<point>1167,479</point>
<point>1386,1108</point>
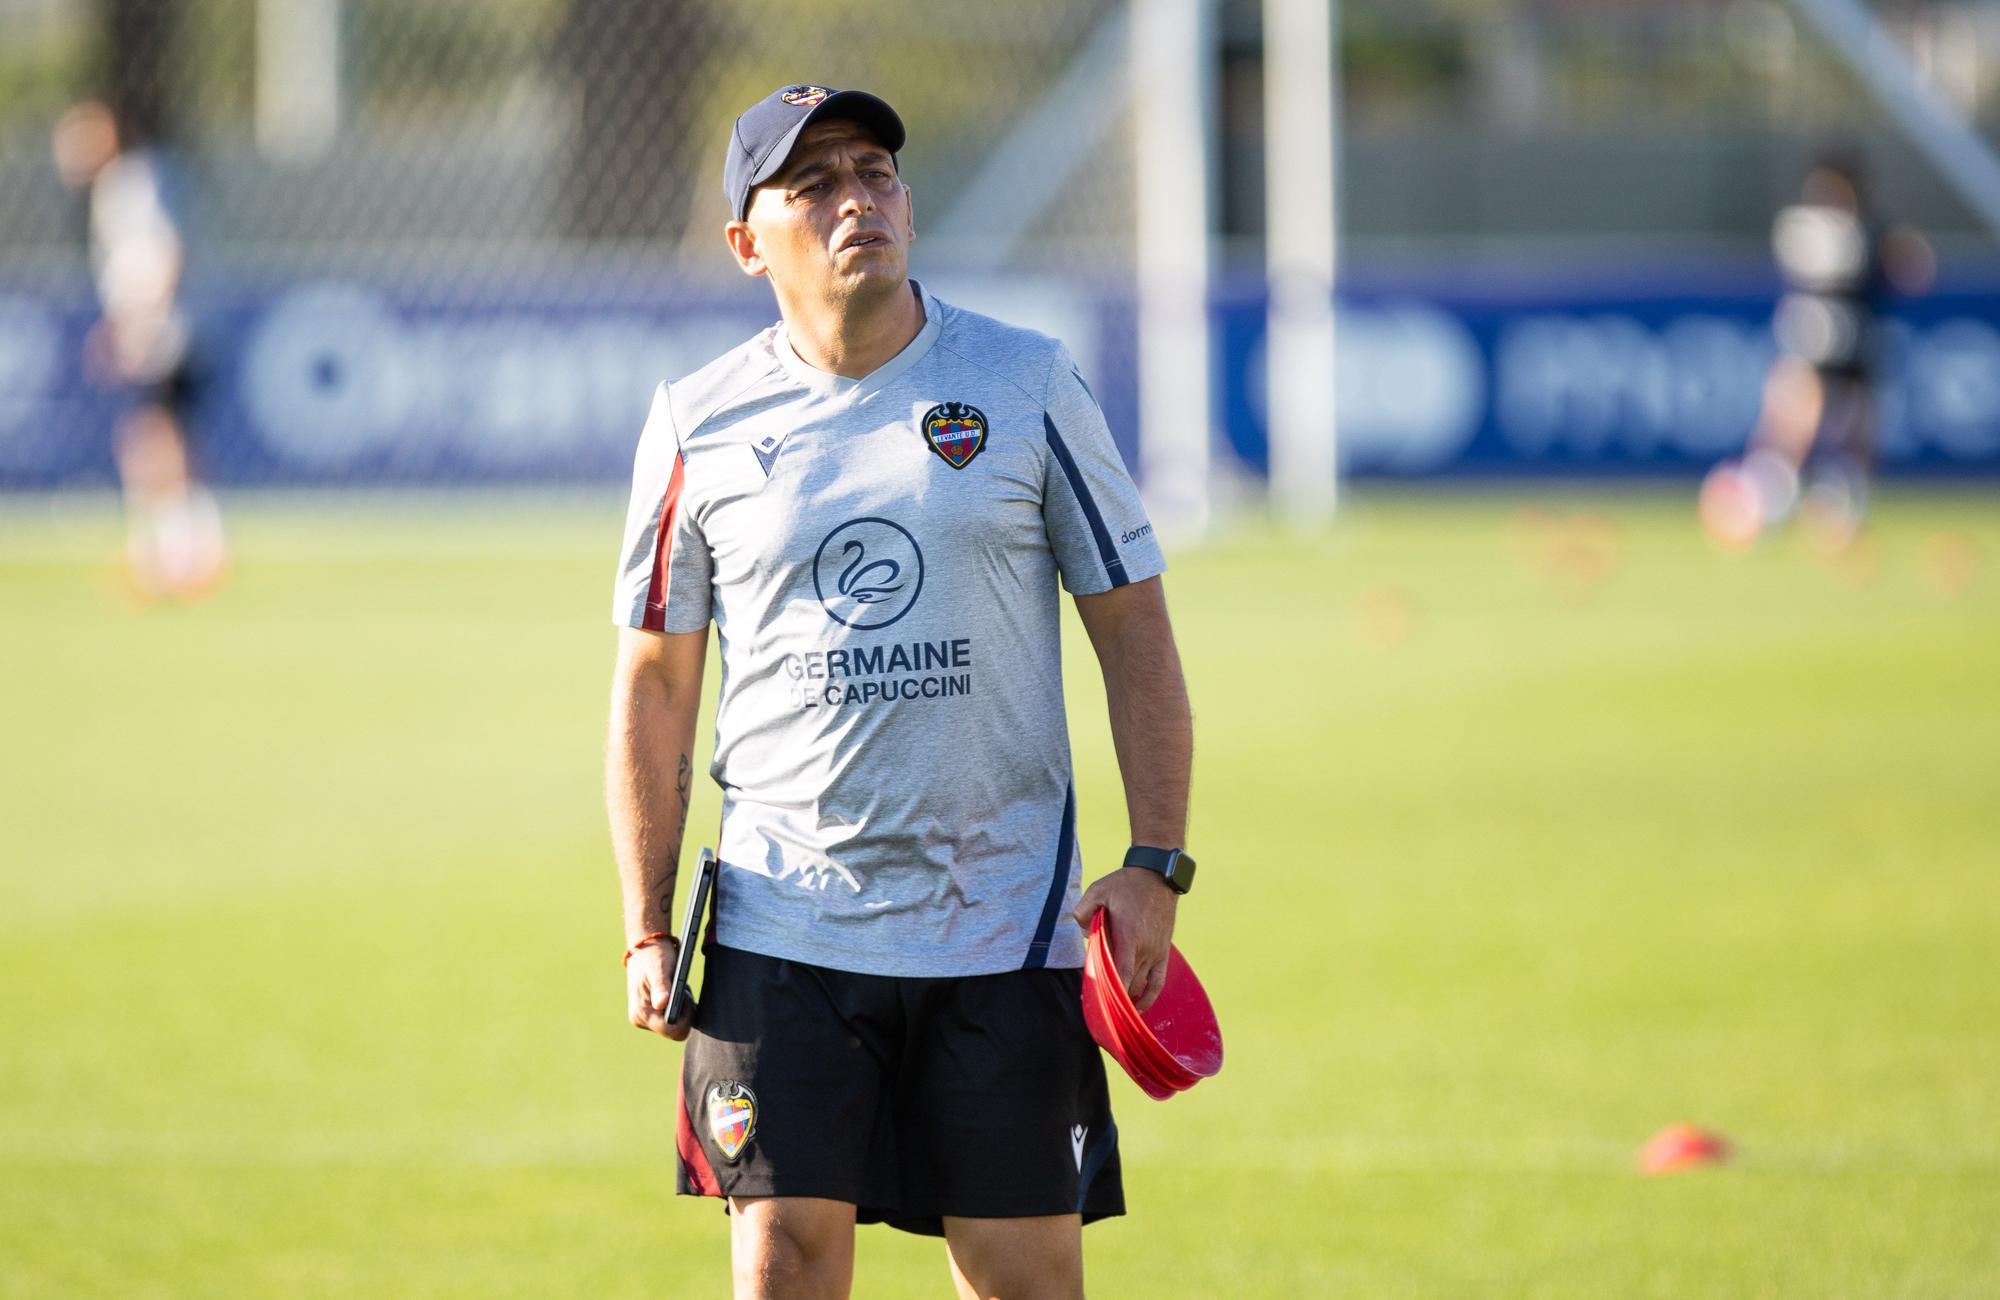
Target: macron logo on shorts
<point>1076,1136</point>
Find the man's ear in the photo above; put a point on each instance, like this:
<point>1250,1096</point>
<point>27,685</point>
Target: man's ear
<point>742,243</point>
<point>910,206</point>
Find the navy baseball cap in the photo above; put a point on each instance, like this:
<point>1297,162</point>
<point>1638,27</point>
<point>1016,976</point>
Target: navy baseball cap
<point>768,129</point>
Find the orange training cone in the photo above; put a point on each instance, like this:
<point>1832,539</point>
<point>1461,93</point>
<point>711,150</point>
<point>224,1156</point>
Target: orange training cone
<point>1682,1146</point>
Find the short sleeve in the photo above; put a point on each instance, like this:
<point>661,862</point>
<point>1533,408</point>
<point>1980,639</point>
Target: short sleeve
<point>1096,523</point>
<point>665,570</point>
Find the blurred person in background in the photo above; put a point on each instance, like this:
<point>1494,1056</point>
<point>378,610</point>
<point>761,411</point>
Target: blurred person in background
<point>142,347</point>
<point>1814,447</point>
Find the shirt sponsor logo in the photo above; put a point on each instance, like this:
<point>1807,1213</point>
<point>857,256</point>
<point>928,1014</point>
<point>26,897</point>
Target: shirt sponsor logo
<point>956,432</point>
<point>867,674</point>
<point>868,573</point>
<point>805,96</point>
<point>732,1117</point>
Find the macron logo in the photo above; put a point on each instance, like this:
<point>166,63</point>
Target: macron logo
<point>1076,1135</point>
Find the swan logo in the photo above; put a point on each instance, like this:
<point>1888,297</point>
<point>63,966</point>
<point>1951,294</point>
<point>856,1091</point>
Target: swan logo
<point>868,572</point>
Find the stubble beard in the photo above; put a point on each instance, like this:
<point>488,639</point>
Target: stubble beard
<point>868,289</point>
<point>844,295</point>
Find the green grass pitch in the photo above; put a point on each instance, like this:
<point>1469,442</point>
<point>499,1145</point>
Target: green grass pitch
<point>1524,832</point>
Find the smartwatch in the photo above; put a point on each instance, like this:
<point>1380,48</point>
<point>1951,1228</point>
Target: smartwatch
<point>1174,865</point>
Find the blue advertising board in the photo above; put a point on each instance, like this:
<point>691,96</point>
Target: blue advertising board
<point>1662,374</point>
<point>356,381</point>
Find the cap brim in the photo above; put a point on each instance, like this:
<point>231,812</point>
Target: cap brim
<point>856,105</point>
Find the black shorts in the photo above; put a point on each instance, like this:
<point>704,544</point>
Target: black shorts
<point>178,392</point>
<point>980,1096</point>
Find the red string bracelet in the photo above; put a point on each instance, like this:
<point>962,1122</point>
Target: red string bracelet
<point>652,938</point>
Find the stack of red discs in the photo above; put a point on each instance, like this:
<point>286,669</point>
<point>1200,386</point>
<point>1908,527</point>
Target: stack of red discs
<point>1174,1045</point>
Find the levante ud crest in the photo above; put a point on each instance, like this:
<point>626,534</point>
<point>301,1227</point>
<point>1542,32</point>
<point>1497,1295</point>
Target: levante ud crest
<point>956,432</point>
<point>732,1117</point>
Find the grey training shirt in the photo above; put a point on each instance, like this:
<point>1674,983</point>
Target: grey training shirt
<point>880,557</point>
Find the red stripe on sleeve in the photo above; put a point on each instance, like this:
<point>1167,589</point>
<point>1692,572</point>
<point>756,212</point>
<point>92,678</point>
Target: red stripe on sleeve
<point>663,551</point>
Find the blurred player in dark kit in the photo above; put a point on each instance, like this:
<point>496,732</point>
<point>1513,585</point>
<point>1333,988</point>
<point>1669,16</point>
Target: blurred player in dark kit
<point>142,346</point>
<point>1814,448</point>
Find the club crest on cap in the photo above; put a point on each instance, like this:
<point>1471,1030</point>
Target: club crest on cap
<point>956,432</point>
<point>805,96</point>
<point>732,1117</point>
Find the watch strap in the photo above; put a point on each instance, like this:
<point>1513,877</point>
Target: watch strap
<point>1175,866</point>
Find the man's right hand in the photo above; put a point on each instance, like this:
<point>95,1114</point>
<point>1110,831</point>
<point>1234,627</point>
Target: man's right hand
<point>648,978</point>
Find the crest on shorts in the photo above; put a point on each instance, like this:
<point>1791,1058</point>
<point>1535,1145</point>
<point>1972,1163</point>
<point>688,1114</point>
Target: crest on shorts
<point>805,96</point>
<point>956,432</point>
<point>732,1117</point>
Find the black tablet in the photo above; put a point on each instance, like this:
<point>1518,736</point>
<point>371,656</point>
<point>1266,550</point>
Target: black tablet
<point>692,920</point>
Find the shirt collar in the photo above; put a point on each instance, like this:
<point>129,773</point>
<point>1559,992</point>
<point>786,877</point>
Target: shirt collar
<point>832,385</point>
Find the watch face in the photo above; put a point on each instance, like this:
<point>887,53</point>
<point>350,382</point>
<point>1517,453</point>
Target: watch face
<point>1181,876</point>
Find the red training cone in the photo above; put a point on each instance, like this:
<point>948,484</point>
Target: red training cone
<point>1682,1146</point>
<point>1174,1045</point>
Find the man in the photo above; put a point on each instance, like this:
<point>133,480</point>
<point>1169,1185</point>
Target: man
<point>873,501</point>
<point>1814,446</point>
<point>141,346</point>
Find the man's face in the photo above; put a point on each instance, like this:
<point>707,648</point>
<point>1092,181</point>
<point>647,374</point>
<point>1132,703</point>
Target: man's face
<point>834,223</point>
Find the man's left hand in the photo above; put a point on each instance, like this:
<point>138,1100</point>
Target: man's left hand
<point>1139,910</point>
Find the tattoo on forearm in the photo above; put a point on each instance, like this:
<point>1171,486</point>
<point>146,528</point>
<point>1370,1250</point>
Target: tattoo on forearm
<point>684,787</point>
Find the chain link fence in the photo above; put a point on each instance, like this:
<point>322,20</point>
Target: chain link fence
<point>395,131</point>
